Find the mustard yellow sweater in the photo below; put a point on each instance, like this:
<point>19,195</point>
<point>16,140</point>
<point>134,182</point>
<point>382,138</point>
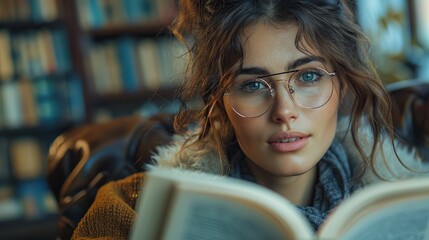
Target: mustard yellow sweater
<point>112,213</point>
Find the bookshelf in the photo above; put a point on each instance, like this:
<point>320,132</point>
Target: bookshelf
<point>41,95</point>
<point>68,62</point>
<point>130,59</point>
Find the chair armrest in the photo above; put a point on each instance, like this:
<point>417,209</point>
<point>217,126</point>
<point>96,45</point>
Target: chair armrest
<point>83,159</point>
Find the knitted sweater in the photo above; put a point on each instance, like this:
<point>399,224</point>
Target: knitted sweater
<point>112,213</point>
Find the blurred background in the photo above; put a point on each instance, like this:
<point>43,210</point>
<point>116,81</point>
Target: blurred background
<point>64,63</point>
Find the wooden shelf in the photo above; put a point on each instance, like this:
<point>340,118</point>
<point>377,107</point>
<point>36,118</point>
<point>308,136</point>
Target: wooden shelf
<point>30,25</point>
<point>45,129</point>
<point>152,28</point>
<point>55,76</point>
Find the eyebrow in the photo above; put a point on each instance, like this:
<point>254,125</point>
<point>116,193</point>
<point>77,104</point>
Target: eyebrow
<point>291,66</point>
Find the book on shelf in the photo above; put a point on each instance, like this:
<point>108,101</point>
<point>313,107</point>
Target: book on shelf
<point>33,53</point>
<point>41,101</point>
<point>178,204</point>
<point>127,59</point>
<point>28,103</point>
<point>28,10</point>
<point>97,68</point>
<point>127,64</point>
<point>149,64</point>
<point>72,90</point>
<point>12,116</point>
<point>61,51</point>
<point>48,104</point>
<point>6,61</point>
<point>105,13</point>
<point>26,158</point>
<point>113,67</point>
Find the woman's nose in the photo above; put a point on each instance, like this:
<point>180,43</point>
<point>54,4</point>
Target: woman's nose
<point>284,108</point>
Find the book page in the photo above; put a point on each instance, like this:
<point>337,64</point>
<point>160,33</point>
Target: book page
<point>195,215</point>
<point>398,210</point>
<point>185,205</point>
<point>406,220</point>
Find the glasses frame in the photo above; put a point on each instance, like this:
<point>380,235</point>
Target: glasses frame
<point>290,89</point>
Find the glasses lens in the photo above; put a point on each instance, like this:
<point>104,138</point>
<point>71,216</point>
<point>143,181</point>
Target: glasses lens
<point>309,88</point>
<point>251,98</point>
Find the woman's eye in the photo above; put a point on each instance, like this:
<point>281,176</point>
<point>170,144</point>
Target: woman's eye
<point>309,76</point>
<point>253,86</point>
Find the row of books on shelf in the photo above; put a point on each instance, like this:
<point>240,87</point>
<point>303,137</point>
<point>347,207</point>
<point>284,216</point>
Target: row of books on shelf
<point>40,102</point>
<point>102,13</point>
<point>28,10</point>
<point>33,53</point>
<point>128,64</point>
<point>22,161</point>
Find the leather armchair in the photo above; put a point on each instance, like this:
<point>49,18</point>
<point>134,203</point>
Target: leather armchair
<point>81,160</point>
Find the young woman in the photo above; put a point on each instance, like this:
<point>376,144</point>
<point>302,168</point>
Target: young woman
<point>289,100</point>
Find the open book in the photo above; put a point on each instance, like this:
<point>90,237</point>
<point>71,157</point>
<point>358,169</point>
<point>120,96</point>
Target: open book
<point>187,205</point>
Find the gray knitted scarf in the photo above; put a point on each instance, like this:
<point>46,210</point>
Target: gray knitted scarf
<point>333,185</point>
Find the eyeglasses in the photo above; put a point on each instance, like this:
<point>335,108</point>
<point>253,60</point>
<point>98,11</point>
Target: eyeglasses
<point>308,87</point>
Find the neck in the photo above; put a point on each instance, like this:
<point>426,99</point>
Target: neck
<point>296,189</point>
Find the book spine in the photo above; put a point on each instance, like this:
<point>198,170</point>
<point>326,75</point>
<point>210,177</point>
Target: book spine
<point>12,110</point>
<point>35,64</point>
<point>84,14</point>
<point>26,158</point>
<point>6,62</point>
<point>36,11</point>
<point>48,107</point>
<point>49,9</point>
<point>95,60</point>
<point>116,84</point>
<point>75,98</point>
<point>96,14</point>
<point>61,50</point>
<point>127,63</point>
<point>149,64</point>
<point>28,103</point>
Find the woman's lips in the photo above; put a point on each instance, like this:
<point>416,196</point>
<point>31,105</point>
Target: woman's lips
<point>288,142</point>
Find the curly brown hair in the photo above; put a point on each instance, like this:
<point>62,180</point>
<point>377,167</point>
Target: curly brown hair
<point>211,29</point>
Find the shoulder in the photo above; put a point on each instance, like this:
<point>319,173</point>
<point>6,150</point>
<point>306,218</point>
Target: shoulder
<point>112,212</point>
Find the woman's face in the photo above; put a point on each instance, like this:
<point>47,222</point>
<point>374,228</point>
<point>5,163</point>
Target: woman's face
<point>288,140</point>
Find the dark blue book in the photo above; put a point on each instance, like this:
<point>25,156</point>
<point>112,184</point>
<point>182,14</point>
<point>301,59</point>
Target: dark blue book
<point>75,98</point>
<point>126,57</point>
<point>36,11</point>
<point>131,9</point>
<point>61,50</point>
<point>96,14</point>
<point>49,108</point>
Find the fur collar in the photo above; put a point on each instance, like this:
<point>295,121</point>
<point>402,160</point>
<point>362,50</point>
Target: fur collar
<point>168,156</point>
